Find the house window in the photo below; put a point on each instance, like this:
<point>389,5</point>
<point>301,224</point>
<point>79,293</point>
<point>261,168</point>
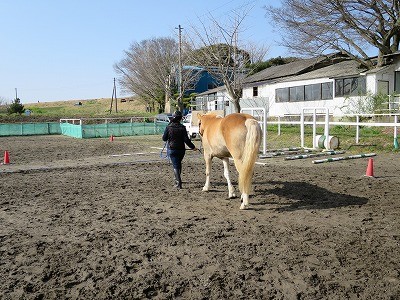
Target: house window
<point>296,93</point>
<point>255,91</point>
<point>383,87</point>
<point>397,82</point>
<point>354,86</point>
<point>326,91</point>
<point>310,92</point>
<point>282,95</point>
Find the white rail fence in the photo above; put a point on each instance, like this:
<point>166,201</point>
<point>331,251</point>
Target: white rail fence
<point>326,123</point>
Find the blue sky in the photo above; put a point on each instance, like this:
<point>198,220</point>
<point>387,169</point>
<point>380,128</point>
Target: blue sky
<point>65,50</point>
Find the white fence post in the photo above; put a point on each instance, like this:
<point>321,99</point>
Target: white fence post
<point>302,129</point>
<point>314,129</point>
<point>326,130</point>
<point>314,123</point>
<point>279,125</point>
<point>357,129</point>
<point>395,142</point>
<point>263,123</point>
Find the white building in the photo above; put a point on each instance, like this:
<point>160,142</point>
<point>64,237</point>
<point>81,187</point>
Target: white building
<point>335,82</point>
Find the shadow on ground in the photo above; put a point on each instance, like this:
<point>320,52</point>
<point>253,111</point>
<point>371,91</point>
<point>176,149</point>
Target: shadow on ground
<point>302,195</point>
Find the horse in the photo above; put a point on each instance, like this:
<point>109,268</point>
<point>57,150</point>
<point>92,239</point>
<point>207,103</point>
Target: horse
<point>238,136</point>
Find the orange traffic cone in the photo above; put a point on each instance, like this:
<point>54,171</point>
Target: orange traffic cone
<point>6,158</point>
<point>111,138</point>
<point>370,168</point>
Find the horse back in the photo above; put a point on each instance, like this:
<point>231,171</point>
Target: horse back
<point>213,140</point>
<point>234,131</point>
<point>226,137</point>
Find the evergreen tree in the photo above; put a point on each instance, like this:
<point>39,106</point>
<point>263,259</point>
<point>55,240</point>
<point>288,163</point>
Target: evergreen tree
<point>16,107</point>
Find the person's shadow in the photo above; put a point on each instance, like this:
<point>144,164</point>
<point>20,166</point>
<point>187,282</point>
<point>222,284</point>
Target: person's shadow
<point>302,195</point>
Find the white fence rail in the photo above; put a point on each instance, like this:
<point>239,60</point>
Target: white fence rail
<point>357,123</point>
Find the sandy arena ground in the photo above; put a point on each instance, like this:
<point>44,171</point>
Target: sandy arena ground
<point>78,223</point>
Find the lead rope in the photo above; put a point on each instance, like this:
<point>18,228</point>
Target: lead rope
<point>162,150</point>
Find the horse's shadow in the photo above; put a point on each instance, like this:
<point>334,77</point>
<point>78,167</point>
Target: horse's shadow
<point>302,195</point>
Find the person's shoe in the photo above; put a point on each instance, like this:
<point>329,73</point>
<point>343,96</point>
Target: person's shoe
<point>178,181</point>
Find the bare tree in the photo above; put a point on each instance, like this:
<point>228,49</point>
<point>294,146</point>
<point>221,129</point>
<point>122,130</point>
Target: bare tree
<point>223,54</point>
<point>3,101</point>
<point>313,27</point>
<point>149,70</point>
<point>146,68</point>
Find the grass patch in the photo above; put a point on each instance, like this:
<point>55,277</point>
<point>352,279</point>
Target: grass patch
<point>93,108</point>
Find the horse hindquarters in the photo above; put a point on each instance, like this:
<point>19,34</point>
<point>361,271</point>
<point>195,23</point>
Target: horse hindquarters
<point>249,157</point>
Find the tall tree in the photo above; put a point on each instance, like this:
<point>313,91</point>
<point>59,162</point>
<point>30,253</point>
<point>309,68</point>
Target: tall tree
<point>313,27</point>
<point>149,70</point>
<point>222,52</point>
<point>146,68</point>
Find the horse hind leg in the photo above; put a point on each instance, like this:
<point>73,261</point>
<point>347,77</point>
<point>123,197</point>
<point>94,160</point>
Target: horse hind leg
<point>208,167</point>
<point>231,188</point>
<point>246,189</point>
<point>245,201</point>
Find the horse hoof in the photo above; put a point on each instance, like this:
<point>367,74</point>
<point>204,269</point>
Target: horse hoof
<point>243,207</point>
<point>205,189</point>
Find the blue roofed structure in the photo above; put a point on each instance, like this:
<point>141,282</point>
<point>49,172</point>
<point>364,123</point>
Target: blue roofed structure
<point>201,79</point>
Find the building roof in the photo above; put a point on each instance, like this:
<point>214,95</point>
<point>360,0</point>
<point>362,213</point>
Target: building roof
<point>293,68</point>
<point>334,66</point>
<point>213,91</point>
<point>347,68</point>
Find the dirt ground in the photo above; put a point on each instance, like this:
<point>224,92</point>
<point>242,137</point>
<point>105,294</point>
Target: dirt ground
<point>95,219</point>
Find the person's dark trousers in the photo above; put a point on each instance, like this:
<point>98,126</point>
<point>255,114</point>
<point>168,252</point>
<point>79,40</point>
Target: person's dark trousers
<point>176,157</point>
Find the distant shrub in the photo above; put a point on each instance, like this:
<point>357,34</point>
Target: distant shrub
<point>16,107</point>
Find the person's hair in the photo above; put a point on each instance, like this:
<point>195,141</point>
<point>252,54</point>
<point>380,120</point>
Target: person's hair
<point>177,116</point>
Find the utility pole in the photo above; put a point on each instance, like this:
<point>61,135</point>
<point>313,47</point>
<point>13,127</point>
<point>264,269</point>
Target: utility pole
<point>114,93</point>
<point>16,95</point>
<point>180,85</point>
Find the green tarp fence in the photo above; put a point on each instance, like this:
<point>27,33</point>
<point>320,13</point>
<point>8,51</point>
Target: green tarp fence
<point>82,131</point>
<point>10,129</point>
<point>112,129</point>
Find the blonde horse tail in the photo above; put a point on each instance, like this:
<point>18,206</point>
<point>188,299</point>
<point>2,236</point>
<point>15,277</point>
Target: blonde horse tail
<point>250,154</point>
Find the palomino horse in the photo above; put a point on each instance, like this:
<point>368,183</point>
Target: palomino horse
<point>237,136</point>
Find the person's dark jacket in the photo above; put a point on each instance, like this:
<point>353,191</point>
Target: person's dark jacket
<point>176,135</point>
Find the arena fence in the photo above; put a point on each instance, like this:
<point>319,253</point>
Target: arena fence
<point>86,128</point>
<point>13,129</point>
<point>101,128</point>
